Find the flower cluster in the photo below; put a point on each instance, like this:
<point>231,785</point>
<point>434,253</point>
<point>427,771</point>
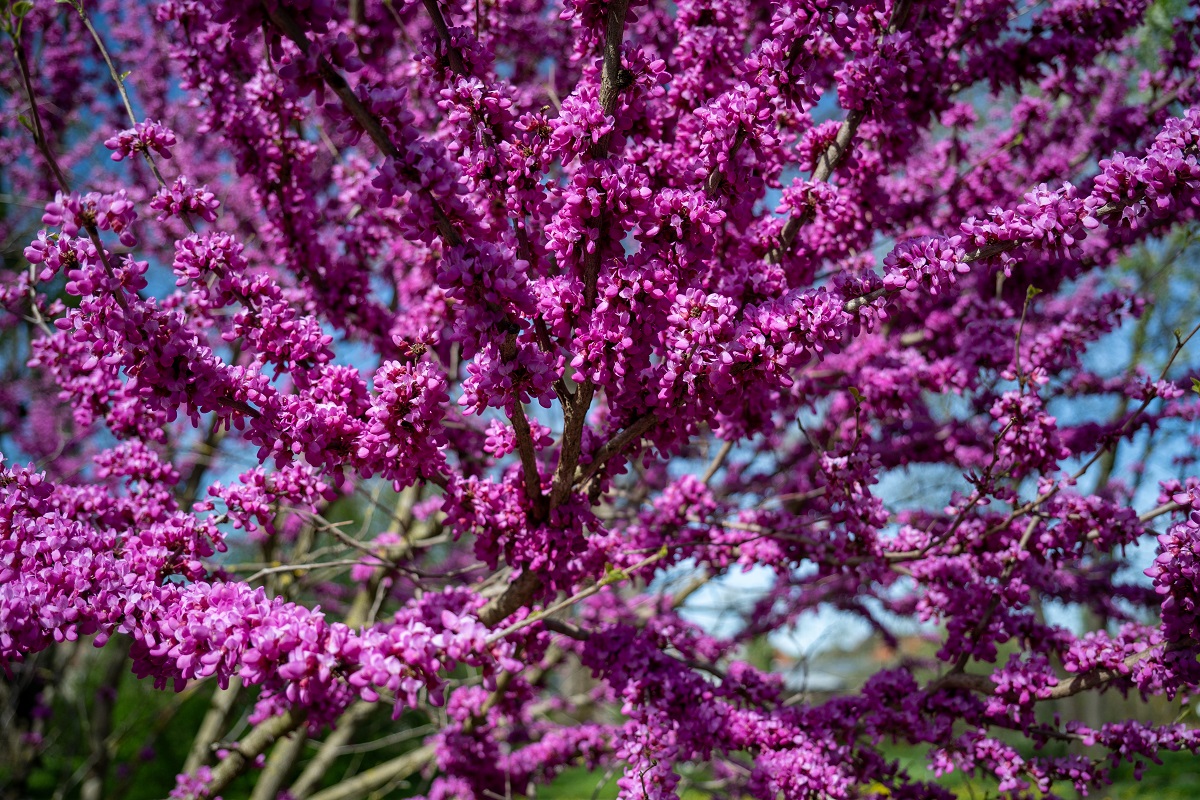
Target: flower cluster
<point>142,138</point>
<point>107,212</point>
<point>182,198</point>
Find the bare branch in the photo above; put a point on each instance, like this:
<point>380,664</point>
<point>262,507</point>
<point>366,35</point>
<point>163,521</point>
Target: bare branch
<point>283,757</point>
<point>363,783</point>
<point>251,747</point>
<point>212,725</point>
<point>330,749</point>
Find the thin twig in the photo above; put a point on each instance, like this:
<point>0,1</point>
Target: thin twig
<point>717,461</point>
<point>614,577</point>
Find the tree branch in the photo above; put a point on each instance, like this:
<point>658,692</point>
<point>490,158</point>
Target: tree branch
<point>613,577</point>
<point>396,769</point>
<point>575,410</point>
<point>616,445</point>
<point>330,749</point>
<point>1072,686</point>
<point>832,156</point>
<point>439,23</point>
<point>610,79</point>
<point>287,24</point>
<point>283,757</point>
<point>251,747</point>
<point>212,725</point>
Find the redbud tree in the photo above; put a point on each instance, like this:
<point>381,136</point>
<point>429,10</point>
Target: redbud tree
<point>385,381</point>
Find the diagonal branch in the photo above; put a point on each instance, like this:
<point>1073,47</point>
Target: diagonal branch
<point>832,156</point>
<point>439,23</point>
<point>255,744</point>
<point>283,20</point>
<point>362,784</point>
<point>827,162</point>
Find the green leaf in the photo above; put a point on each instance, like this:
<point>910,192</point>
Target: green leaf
<point>1196,385</point>
<point>25,121</point>
<point>856,394</point>
<point>1031,293</point>
<point>21,8</point>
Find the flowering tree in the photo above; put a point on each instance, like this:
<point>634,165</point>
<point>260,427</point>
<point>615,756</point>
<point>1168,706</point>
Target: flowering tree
<point>421,356</point>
